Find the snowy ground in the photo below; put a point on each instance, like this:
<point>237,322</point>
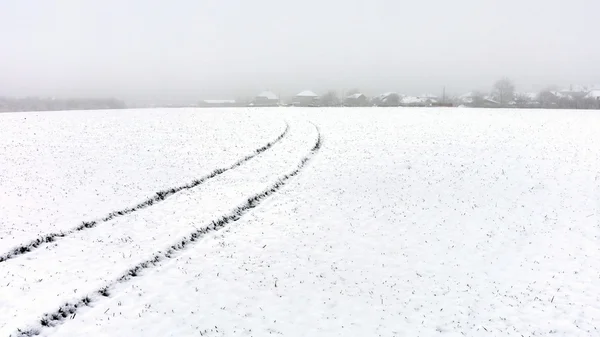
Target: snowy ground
<point>404,222</point>
<point>59,169</point>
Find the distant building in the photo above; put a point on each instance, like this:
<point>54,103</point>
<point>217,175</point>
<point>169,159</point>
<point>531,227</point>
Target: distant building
<point>576,91</point>
<point>562,95</point>
<point>306,98</point>
<point>357,99</point>
<point>490,102</point>
<point>414,101</point>
<point>265,98</point>
<point>526,99</point>
<point>217,103</point>
<point>387,99</point>
<point>594,94</point>
<point>468,98</point>
<point>430,97</point>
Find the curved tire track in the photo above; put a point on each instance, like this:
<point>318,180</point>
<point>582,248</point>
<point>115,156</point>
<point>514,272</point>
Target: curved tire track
<point>69,310</point>
<point>158,197</point>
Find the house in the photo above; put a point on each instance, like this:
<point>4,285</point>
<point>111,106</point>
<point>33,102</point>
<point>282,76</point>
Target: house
<point>527,99</point>
<point>477,99</point>
<point>265,98</point>
<point>488,101</point>
<point>594,94</point>
<point>306,98</point>
<point>421,100</point>
<point>429,97</point>
<point>416,101</point>
<point>387,99</point>
<point>468,98</point>
<point>562,95</point>
<point>576,91</point>
<point>357,99</point>
<point>217,103</point>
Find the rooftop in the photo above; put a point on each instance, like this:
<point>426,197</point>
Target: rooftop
<point>307,93</point>
<point>268,95</point>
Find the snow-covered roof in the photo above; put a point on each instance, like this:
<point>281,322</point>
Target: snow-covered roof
<point>307,93</point>
<point>469,97</point>
<point>388,94</point>
<point>559,94</point>
<point>595,94</point>
<point>575,88</point>
<point>525,96</point>
<point>268,95</point>
<point>355,96</point>
<point>489,99</point>
<point>413,100</point>
<point>219,101</point>
<point>470,94</point>
<point>428,96</point>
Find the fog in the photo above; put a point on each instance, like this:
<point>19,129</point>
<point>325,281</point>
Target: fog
<point>180,51</point>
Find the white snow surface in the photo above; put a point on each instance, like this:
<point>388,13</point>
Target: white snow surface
<point>424,222</point>
<point>59,169</point>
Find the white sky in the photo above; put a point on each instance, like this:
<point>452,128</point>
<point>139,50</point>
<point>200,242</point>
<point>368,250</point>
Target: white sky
<point>189,49</point>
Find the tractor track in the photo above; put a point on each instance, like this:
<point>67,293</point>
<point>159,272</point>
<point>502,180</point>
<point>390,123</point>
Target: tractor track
<point>157,198</point>
<point>70,309</point>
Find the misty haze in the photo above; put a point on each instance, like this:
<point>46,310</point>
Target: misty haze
<point>311,168</point>
<point>149,52</point>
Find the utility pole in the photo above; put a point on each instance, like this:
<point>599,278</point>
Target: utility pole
<point>444,95</point>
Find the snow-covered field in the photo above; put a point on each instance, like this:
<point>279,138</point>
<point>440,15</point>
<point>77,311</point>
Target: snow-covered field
<point>345,222</point>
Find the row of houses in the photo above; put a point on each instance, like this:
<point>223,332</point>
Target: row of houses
<point>308,98</point>
<point>579,97</point>
<point>573,97</point>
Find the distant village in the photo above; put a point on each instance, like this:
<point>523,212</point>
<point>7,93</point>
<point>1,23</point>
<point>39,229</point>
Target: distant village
<point>503,96</point>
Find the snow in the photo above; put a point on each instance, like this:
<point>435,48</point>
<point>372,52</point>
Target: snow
<point>307,93</point>
<point>430,222</point>
<point>59,169</point>
<point>268,95</point>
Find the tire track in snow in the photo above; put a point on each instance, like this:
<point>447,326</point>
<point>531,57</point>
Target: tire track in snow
<point>158,197</point>
<point>69,310</point>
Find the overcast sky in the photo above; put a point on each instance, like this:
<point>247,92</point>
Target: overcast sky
<point>190,49</point>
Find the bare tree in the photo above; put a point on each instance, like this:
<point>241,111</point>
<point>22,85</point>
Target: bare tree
<point>330,99</point>
<point>504,90</point>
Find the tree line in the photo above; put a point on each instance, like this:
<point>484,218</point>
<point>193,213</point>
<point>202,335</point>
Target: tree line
<point>8,104</point>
